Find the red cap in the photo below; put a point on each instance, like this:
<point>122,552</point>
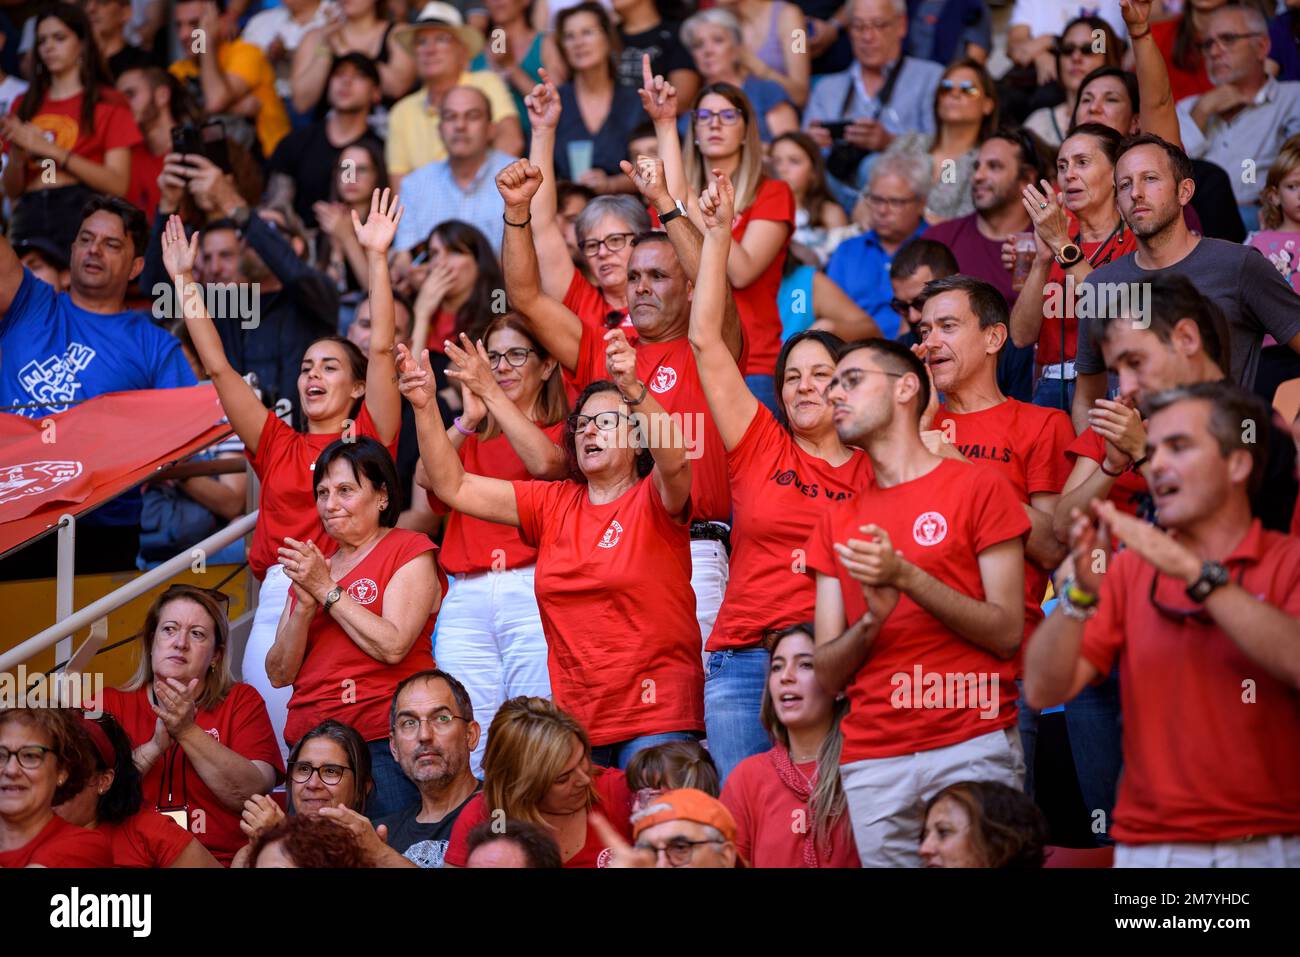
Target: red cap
<point>686,804</point>
<point>99,739</point>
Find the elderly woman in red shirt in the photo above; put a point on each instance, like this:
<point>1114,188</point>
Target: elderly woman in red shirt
<point>613,562</point>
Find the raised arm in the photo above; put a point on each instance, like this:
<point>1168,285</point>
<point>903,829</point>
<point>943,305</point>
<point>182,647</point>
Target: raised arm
<point>659,99</point>
<point>246,413</point>
<point>557,268</point>
<point>1159,114</point>
<point>382,398</point>
<point>11,275</point>
<point>557,329</point>
<point>492,500</point>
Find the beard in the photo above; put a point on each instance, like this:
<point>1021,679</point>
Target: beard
<point>434,775</point>
<point>1155,224</point>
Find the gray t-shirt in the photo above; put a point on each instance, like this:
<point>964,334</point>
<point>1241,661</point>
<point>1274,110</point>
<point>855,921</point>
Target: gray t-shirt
<point>1252,294</point>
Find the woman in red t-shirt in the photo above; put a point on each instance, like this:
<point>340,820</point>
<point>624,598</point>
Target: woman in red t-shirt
<point>112,803</point>
<point>202,741</point>
<point>340,392</point>
<point>71,123</point>
<point>785,471</point>
<point>723,135</point>
<point>799,779</point>
<point>613,555</point>
<point>515,405</point>
<point>45,759</point>
<point>361,620</point>
<point>538,769</point>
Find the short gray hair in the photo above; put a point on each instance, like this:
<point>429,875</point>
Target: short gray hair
<point>716,17</point>
<point>900,7</point>
<point>1256,22</point>
<point>913,168</point>
<point>623,206</point>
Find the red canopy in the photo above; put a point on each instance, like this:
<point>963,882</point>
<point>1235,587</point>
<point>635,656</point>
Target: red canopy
<point>75,460</point>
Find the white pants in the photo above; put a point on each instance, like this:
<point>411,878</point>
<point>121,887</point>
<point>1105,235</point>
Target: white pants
<point>490,639</point>
<point>887,796</point>
<point>270,606</point>
<point>710,571</point>
<point>1274,850</point>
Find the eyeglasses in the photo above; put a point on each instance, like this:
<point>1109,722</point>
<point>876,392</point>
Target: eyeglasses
<point>330,774</point>
<point>179,591</point>
<point>1070,49</point>
<point>613,242</point>
<point>1224,40</point>
<point>850,379</point>
<point>1198,615</point>
<point>893,202</point>
<point>515,357</point>
<point>968,87</point>
<point>903,306</point>
<point>870,26</point>
<point>679,850</point>
<point>605,421</point>
<point>408,726</point>
<point>30,757</point>
<point>728,117</point>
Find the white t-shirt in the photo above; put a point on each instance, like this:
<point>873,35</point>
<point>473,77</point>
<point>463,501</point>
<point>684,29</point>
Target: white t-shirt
<point>1049,17</point>
<point>264,27</point>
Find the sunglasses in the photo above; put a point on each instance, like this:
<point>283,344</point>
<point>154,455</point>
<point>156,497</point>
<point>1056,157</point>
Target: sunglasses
<point>1070,49</point>
<point>966,87</point>
<point>903,306</point>
<point>1180,615</point>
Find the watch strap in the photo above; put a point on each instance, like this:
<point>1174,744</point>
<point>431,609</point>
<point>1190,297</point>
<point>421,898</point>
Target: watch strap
<point>668,217</point>
<point>331,598</point>
<point>1214,575</point>
<point>1071,254</point>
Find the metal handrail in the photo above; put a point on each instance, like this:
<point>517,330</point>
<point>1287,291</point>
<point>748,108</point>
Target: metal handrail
<point>131,590</point>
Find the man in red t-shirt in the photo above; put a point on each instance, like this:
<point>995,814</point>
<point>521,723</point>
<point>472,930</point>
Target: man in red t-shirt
<point>149,94</point>
<point>1204,622</point>
<point>660,273</point>
<point>926,570</point>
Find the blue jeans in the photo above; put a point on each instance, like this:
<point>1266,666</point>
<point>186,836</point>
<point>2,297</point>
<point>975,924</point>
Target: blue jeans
<point>393,789</point>
<point>1027,719</point>
<point>619,754</point>
<point>764,389</point>
<point>1093,722</point>
<point>733,693</point>
<point>1048,394</point>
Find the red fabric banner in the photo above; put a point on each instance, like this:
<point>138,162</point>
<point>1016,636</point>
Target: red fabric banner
<point>77,459</point>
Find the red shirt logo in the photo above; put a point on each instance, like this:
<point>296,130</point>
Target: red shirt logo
<point>612,535</point>
<point>665,378</point>
<point>363,591</point>
<point>930,528</point>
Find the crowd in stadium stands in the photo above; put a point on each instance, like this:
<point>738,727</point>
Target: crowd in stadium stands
<point>735,433</point>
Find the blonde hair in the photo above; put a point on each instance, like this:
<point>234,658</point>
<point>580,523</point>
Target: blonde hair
<point>1270,206</point>
<point>529,743</point>
<point>750,172</point>
<point>218,681</point>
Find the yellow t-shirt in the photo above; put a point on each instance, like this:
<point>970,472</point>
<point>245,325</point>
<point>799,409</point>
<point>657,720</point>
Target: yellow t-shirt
<point>413,138</point>
<point>243,60</point>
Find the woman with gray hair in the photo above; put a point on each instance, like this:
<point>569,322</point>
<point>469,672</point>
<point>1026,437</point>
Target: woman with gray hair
<point>714,38</point>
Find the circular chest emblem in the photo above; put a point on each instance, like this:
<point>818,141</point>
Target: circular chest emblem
<point>665,378</point>
<point>604,857</point>
<point>363,591</point>
<point>930,528</point>
<point>612,535</point>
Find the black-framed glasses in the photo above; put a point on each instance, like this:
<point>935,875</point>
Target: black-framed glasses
<point>968,87</point>
<point>613,242</point>
<point>679,850</point>
<point>408,725</point>
<point>904,306</point>
<point>330,774</point>
<point>30,757</point>
<point>1198,615</point>
<point>1224,40</point>
<point>728,117</point>
<point>1070,49</point>
<point>605,421</point>
<point>515,357</point>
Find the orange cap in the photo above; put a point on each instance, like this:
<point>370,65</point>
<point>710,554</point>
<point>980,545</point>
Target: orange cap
<point>686,804</point>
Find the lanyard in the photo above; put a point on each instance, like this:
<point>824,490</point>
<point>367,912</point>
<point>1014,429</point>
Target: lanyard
<point>1095,259</point>
<point>168,779</point>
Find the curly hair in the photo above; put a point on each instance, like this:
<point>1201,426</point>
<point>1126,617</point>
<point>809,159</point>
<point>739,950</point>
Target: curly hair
<point>69,744</point>
<point>1008,831</point>
<point>312,842</point>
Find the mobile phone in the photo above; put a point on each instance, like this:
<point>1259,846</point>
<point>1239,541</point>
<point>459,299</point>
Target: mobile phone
<point>836,128</point>
<point>185,140</point>
<point>213,136</point>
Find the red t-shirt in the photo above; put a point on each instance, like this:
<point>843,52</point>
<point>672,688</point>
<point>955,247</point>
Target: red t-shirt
<point>337,679</point>
<point>778,491</point>
<point>144,191</point>
<point>773,823</point>
<point>240,723</point>
<point>590,305</point>
<point>284,463</point>
<point>1027,444</point>
<point>60,844</point>
<point>1099,254</point>
<point>1129,491</point>
<point>669,370</point>
<point>613,587</point>
<point>1189,82</point>
<point>60,121</point>
<point>1210,738</point>
<point>613,799</point>
<point>941,522</point>
<point>756,303</point>
<point>146,839</point>
<point>470,544</point>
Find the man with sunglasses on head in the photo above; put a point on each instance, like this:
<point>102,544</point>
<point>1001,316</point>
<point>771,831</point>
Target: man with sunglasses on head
<point>1203,618</point>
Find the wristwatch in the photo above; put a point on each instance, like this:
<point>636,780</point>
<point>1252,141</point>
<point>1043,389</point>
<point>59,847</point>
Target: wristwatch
<point>668,217</point>
<point>1213,575</point>
<point>1069,255</point>
<point>331,597</point>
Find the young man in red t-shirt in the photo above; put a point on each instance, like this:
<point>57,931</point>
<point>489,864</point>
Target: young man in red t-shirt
<point>964,325</point>
<point>926,570</point>
<point>1204,622</point>
<point>660,274</point>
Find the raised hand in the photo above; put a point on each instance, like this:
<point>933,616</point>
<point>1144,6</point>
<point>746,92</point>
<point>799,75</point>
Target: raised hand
<point>332,217</point>
<point>381,224</point>
<point>1089,550</point>
<point>260,813</point>
<point>415,382</point>
<point>471,367</point>
<point>620,362</point>
<point>543,103</point>
<point>1156,546</point>
<point>306,565</point>
<point>179,253</point>
<point>648,177</point>
<point>176,704</point>
<point>1121,425</point>
<point>518,183</point>
<point>1137,14</point>
<point>718,203</point>
<point>658,96</point>
<point>1046,211</point>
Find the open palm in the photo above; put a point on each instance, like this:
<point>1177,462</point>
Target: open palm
<point>179,253</point>
<point>377,233</point>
